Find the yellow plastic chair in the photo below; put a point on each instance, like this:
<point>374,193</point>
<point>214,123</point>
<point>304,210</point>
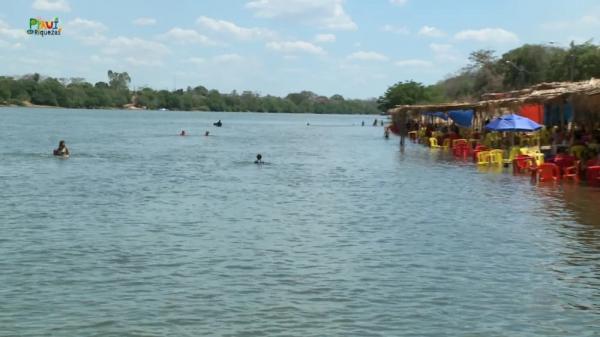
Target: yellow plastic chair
<point>483,158</point>
<point>433,143</point>
<point>496,157</point>
<point>535,153</point>
<point>539,157</point>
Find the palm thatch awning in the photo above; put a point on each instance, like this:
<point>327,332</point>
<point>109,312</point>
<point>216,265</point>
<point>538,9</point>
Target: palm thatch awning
<point>585,97</point>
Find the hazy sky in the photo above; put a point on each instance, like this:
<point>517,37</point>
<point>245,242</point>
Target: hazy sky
<point>356,48</point>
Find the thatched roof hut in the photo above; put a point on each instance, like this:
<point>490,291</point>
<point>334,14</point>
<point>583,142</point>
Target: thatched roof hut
<point>583,96</point>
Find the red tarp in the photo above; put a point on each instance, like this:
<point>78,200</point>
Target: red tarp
<point>535,112</point>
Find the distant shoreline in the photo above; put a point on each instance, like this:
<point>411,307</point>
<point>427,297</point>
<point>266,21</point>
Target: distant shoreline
<point>134,108</point>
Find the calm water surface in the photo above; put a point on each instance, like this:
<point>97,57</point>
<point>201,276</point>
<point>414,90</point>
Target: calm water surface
<point>145,233</point>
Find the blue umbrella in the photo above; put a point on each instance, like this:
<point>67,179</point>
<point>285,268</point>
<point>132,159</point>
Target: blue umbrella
<point>514,123</point>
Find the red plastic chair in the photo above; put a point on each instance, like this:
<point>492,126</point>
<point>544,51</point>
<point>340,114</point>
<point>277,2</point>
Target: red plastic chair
<point>523,163</point>
<point>564,162</point>
<point>593,175</point>
<point>549,172</point>
<point>461,150</point>
<point>592,162</point>
<point>572,173</point>
<point>478,149</point>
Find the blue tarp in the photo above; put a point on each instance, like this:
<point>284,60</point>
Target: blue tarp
<point>552,114</point>
<point>438,114</point>
<point>462,118</point>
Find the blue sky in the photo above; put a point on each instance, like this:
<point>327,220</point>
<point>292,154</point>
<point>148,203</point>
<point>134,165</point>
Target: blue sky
<point>356,48</point>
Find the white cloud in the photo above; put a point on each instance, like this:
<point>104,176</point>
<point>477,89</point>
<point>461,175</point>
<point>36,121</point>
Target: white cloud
<point>291,47</point>
<point>413,63</point>
<point>9,45</point>
<point>196,60</point>
<point>185,36</point>
<point>431,31</point>
<point>488,35</point>
<point>144,21</point>
<point>145,62</point>
<point>396,30</point>
<point>243,33</point>
<point>398,2</point>
<point>228,58</point>
<point>321,38</point>
<point>49,5</point>
<point>87,31</point>
<point>87,25</point>
<point>441,47</point>
<point>101,59</point>
<point>444,52</point>
<point>329,14</point>
<point>586,24</point>
<point>367,56</point>
<point>136,51</point>
<point>7,32</point>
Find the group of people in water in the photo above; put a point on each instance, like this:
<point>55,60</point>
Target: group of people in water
<point>184,133</point>
<point>207,133</point>
<point>63,151</point>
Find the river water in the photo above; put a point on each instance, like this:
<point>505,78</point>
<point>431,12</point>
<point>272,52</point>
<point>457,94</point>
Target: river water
<point>145,233</point>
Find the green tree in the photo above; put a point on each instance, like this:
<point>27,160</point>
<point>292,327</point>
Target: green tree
<point>401,93</point>
<point>530,64</point>
<point>118,81</point>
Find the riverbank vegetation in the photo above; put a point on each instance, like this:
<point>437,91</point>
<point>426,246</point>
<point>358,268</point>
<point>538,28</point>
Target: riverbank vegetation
<point>518,68</point>
<point>77,93</point>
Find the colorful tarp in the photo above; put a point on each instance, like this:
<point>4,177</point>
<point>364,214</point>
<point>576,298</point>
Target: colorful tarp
<point>552,114</point>
<point>437,114</point>
<point>462,118</point>
<point>535,112</point>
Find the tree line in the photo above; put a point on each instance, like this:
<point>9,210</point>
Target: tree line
<point>77,93</point>
<point>516,69</point>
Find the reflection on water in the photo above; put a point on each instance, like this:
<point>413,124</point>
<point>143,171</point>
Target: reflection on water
<point>141,232</point>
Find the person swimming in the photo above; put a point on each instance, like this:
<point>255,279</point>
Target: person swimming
<point>62,149</point>
<point>258,159</point>
<point>206,133</point>
<point>218,124</point>
<point>182,133</point>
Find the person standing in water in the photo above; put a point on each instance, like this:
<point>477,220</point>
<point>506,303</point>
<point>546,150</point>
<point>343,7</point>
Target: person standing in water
<point>182,133</point>
<point>258,159</point>
<point>206,133</point>
<point>62,149</point>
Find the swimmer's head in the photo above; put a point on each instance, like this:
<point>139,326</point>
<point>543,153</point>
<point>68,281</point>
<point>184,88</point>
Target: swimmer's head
<point>258,156</point>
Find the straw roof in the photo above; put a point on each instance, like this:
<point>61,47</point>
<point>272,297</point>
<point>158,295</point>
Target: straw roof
<point>585,94</point>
